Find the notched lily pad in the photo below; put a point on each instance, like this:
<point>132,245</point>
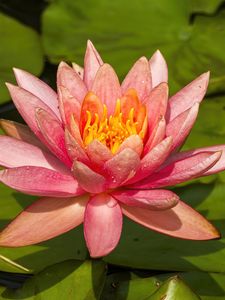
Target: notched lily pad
<point>128,34</point>
<point>68,280</point>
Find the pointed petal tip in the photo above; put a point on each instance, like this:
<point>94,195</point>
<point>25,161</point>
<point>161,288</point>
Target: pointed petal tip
<point>9,85</point>
<point>217,155</point>
<point>106,66</point>
<point>181,222</point>
<point>62,64</point>
<point>158,53</point>
<point>16,70</point>
<point>212,233</point>
<point>143,59</point>
<point>206,74</point>
<point>89,43</point>
<point>204,77</point>
<point>216,234</point>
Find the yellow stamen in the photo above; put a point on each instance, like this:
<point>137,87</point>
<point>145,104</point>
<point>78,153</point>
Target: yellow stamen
<point>112,130</point>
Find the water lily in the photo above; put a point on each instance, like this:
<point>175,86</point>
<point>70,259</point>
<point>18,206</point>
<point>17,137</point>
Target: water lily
<point>98,149</point>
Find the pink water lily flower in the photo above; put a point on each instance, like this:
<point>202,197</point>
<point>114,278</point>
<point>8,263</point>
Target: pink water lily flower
<point>98,149</point>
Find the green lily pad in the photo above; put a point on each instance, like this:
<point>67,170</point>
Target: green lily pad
<point>209,128</point>
<point>21,48</point>
<point>125,30</point>
<point>174,288</point>
<point>205,6</point>
<point>209,286</point>
<point>137,288</point>
<point>67,280</point>
<point>70,245</point>
<point>143,248</point>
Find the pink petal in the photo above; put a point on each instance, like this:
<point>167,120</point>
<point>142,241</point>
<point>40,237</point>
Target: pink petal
<point>122,167</point>
<point>92,104</point>
<point>89,180</point>
<point>153,160</point>
<point>38,88</point>
<point>193,93</point>
<point>98,153</point>
<point>16,153</point>
<point>102,225</point>
<point>180,127</point>
<point>79,70</point>
<point>75,131</point>
<point>68,78</point>
<point>158,68</point>
<point>74,149</point>
<point>40,181</point>
<point>107,87</point>
<point>133,142</point>
<point>156,104</point>
<point>156,136</point>
<point>181,221</point>
<point>139,78</point>
<point>92,63</point>
<point>26,103</point>
<point>21,132</point>
<point>43,220</point>
<point>151,199</point>
<point>53,135</point>
<point>219,165</point>
<point>68,106</point>
<point>181,170</point>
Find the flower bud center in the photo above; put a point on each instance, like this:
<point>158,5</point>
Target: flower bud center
<point>111,130</point>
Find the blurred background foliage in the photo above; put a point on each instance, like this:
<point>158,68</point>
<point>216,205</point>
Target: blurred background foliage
<point>36,35</point>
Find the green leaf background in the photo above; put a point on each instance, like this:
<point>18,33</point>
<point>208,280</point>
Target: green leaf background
<point>191,35</point>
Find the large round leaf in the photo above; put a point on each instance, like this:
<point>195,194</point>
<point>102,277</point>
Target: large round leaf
<point>210,286</point>
<point>21,48</point>
<point>68,280</point>
<point>142,248</point>
<point>37,257</point>
<point>124,30</point>
<point>209,129</point>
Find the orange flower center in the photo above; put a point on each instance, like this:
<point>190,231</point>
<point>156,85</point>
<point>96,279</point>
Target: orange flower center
<point>114,129</point>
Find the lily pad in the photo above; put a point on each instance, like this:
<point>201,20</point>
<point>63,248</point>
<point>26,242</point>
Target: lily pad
<point>209,128</point>
<point>152,250</point>
<point>209,286</point>
<point>70,245</point>
<point>205,6</point>
<point>125,30</point>
<point>174,288</point>
<point>67,280</point>
<point>21,48</point>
